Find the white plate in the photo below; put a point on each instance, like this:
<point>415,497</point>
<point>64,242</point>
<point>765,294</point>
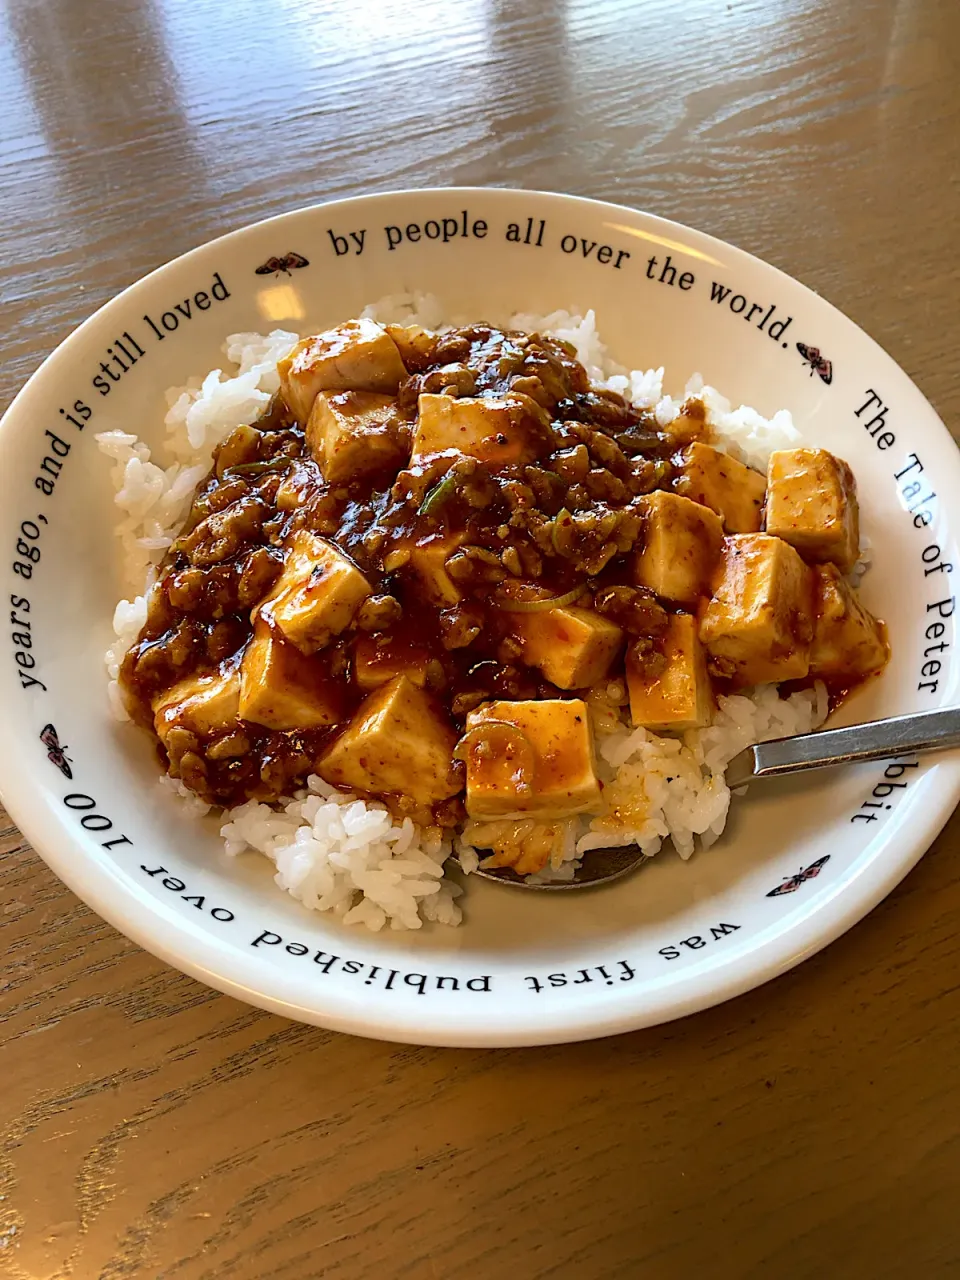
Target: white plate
<point>524,968</point>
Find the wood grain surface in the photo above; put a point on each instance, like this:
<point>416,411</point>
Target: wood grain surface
<point>152,1128</point>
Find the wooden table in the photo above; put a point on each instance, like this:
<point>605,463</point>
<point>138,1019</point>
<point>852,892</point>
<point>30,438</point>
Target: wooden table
<point>152,1128</point>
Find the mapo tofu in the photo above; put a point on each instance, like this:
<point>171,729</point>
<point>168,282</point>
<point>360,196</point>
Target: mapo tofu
<point>414,571</point>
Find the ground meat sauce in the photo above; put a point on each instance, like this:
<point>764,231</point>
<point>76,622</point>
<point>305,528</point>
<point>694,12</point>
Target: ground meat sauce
<point>539,529</point>
<point>565,526</point>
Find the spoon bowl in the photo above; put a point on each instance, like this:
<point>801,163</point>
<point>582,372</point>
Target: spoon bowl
<point>600,867</point>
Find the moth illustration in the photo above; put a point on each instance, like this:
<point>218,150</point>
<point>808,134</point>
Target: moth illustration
<point>289,262</point>
<point>792,883</point>
<point>818,363</point>
<point>56,753</point>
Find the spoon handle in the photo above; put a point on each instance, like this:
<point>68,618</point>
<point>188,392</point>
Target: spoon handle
<point>877,740</point>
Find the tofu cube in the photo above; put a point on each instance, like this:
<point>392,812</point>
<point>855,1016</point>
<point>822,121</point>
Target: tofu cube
<point>415,344</point>
<point>812,504</point>
<point>680,696</point>
<point>574,648</point>
<point>399,742</point>
<point>689,424</point>
<point>848,641</point>
<point>317,593</point>
<point>427,564</point>
<point>723,484</point>
<point>377,659</point>
<point>547,770</point>
<point>682,545</point>
<point>501,430</point>
<point>759,623</point>
<point>282,688</point>
<point>296,485</point>
<point>357,356</point>
<point>353,433</point>
<point>204,705</point>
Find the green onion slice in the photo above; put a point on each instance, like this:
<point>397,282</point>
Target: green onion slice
<point>438,495</point>
<point>259,468</point>
<point>542,604</point>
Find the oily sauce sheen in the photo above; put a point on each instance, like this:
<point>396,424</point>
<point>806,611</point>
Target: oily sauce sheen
<point>565,515</point>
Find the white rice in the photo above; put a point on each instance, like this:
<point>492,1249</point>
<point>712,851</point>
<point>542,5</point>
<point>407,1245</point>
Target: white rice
<point>335,852</point>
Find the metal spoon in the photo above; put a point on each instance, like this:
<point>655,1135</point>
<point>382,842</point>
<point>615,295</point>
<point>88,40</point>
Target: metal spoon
<point>877,740</point>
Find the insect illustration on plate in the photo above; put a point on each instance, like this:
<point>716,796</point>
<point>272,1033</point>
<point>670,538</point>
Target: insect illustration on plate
<point>289,262</point>
<point>56,753</point>
<point>792,883</point>
<point>818,363</point>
